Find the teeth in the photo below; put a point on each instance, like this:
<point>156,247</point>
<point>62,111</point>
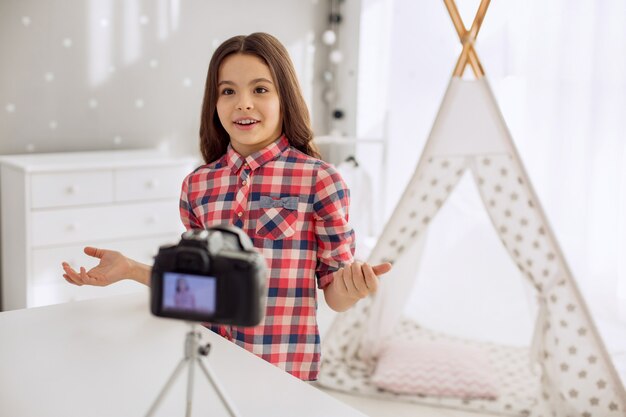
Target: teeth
<point>246,122</point>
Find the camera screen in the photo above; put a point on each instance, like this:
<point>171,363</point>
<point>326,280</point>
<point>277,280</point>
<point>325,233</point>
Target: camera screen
<point>186,292</point>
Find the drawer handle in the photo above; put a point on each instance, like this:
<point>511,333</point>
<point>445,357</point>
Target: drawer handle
<point>152,219</point>
<point>152,184</point>
<point>71,227</point>
<point>72,189</point>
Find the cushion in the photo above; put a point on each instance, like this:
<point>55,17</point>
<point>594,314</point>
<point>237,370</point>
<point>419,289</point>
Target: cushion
<point>435,368</point>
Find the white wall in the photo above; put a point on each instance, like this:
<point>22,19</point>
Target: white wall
<point>105,74</point>
<point>120,74</point>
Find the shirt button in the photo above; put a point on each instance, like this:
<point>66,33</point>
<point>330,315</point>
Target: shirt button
<point>240,214</point>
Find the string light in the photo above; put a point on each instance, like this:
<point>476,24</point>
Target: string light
<point>330,38</point>
<point>336,56</point>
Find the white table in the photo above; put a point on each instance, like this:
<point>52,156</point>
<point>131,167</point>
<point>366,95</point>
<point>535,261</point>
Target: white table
<point>110,357</point>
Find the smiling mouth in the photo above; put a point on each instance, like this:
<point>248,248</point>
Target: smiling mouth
<point>246,122</point>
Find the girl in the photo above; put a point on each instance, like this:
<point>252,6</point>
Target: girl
<point>263,175</point>
<point>184,298</point>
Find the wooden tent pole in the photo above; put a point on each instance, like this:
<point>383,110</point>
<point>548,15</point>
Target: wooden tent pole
<point>467,38</point>
<point>478,20</point>
<point>456,18</point>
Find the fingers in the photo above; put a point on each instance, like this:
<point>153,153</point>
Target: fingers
<point>81,277</point>
<point>348,282</point>
<point>357,280</point>
<point>95,252</point>
<point>370,278</point>
<point>77,278</point>
<point>83,274</point>
<point>67,278</point>
<point>70,275</point>
<point>345,284</point>
<point>382,268</point>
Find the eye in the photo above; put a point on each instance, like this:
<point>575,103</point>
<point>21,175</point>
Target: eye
<point>228,91</point>
<point>261,90</point>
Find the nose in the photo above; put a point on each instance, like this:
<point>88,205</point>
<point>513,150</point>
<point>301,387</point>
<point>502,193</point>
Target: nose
<point>245,102</point>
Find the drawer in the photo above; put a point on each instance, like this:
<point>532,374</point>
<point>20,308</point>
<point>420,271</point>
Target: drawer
<point>63,292</point>
<point>149,183</point>
<point>46,262</point>
<point>71,188</point>
<point>91,224</point>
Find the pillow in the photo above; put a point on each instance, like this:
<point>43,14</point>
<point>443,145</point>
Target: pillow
<point>435,368</point>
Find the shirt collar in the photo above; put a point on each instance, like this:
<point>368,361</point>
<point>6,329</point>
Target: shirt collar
<point>258,158</point>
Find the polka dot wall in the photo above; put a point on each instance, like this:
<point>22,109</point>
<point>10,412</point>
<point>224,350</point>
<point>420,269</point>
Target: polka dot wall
<point>103,74</point>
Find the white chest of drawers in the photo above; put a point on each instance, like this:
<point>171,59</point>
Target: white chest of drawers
<point>52,205</point>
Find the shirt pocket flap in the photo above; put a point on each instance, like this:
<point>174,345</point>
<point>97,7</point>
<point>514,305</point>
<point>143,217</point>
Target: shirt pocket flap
<point>290,203</point>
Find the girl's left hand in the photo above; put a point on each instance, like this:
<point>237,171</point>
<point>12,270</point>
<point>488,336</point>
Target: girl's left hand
<point>358,280</point>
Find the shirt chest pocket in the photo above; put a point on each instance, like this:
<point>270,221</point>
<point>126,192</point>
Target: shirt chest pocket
<point>278,217</point>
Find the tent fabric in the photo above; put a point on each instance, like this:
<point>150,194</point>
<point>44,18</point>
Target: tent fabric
<point>517,385</point>
<point>574,373</point>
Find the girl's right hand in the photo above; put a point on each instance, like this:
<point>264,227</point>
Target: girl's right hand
<point>113,267</point>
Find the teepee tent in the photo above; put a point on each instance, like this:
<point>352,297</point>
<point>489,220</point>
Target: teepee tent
<point>565,371</point>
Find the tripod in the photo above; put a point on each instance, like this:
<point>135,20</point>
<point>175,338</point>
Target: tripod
<point>193,355</point>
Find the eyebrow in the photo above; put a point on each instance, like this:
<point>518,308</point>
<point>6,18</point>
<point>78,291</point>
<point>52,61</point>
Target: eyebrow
<point>256,80</point>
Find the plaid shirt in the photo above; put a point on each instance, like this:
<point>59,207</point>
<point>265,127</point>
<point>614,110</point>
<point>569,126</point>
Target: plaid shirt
<point>295,210</point>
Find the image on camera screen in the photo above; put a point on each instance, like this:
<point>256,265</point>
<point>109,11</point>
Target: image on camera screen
<point>186,292</point>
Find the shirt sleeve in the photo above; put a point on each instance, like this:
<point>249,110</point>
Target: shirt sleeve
<point>334,235</point>
<point>187,216</point>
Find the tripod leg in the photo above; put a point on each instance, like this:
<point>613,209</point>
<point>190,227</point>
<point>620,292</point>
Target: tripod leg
<point>189,388</point>
<point>167,386</point>
<point>229,406</point>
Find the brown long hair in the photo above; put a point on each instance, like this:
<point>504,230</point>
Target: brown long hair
<point>296,121</point>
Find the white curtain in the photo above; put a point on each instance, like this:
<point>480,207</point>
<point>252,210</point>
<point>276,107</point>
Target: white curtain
<point>571,71</point>
<point>558,71</point>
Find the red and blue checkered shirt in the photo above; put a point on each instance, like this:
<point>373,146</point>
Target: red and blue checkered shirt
<point>295,210</point>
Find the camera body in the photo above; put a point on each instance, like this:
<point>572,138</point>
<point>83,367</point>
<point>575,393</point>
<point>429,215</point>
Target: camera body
<point>213,275</point>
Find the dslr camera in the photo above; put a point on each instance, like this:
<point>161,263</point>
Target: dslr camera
<point>213,275</point>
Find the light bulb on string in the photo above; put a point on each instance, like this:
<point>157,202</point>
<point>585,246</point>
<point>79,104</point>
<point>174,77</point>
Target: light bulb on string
<point>329,95</point>
<point>329,37</point>
<point>336,56</point>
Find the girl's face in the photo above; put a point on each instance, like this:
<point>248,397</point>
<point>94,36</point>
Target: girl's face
<point>248,105</point>
<point>181,285</point>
